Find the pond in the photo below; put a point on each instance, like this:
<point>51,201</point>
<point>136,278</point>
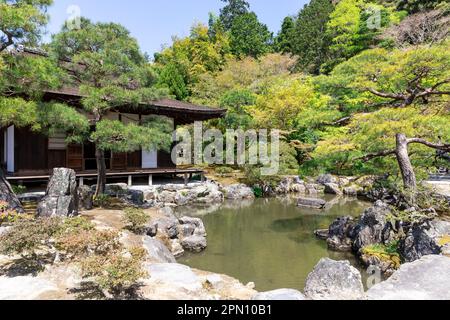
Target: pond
<point>270,242</point>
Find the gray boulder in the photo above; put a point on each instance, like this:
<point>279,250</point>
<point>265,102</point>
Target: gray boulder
<point>61,197</point>
<point>238,192</point>
<point>424,279</point>
<point>281,294</point>
<point>7,195</point>
<point>418,244</point>
<point>351,191</point>
<point>327,178</point>
<point>332,188</point>
<point>334,280</point>
<point>157,251</point>
<point>372,227</point>
<point>85,198</point>
<point>311,203</point>
<point>194,243</point>
<point>340,234</point>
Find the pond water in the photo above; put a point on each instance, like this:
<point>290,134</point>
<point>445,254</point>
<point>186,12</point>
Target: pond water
<point>270,242</point>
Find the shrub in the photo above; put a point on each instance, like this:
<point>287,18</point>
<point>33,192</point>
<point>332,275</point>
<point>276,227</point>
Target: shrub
<point>8,215</point>
<point>116,273</point>
<point>27,236</point>
<point>224,170</point>
<point>135,219</point>
<point>19,189</point>
<point>78,244</point>
<point>102,200</point>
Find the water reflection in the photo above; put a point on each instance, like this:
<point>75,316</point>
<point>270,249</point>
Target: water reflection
<point>268,241</point>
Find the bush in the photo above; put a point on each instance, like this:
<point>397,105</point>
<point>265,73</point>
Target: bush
<point>82,243</point>
<point>224,170</point>
<point>135,219</point>
<point>19,189</point>
<point>116,273</point>
<point>8,215</point>
<point>27,236</point>
<point>102,200</point>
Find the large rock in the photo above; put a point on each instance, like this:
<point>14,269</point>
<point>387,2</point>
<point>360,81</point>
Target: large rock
<point>311,203</point>
<point>175,275</point>
<point>327,178</point>
<point>194,243</point>
<point>418,244</point>
<point>334,280</point>
<point>424,279</point>
<point>7,195</point>
<point>85,198</point>
<point>61,197</point>
<point>340,234</point>
<point>372,227</point>
<point>333,188</point>
<point>281,294</point>
<point>290,184</point>
<point>157,251</point>
<point>238,192</point>
<point>25,288</point>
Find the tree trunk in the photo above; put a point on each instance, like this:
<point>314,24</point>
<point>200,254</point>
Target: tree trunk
<point>406,168</point>
<point>101,171</point>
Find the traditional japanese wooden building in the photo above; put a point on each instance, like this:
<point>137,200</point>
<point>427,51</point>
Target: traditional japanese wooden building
<point>25,155</point>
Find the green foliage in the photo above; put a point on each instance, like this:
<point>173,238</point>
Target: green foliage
<point>387,253</point>
<point>21,21</point>
<point>283,40</point>
<point>249,37</point>
<point>19,189</point>
<point>310,41</point>
<point>135,219</point>
<point>232,10</point>
<point>102,200</point>
<point>8,216</point>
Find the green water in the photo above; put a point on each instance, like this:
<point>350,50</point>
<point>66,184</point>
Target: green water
<point>269,242</point>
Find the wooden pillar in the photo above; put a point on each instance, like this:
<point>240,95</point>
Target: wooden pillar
<point>202,177</point>
<point>150,179</point>
<point>130,180</point>
<point>186,179</point>
<point>81,181</point>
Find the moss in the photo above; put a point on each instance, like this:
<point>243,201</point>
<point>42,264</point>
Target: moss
<point>388,253</point>
<point>444,241</point>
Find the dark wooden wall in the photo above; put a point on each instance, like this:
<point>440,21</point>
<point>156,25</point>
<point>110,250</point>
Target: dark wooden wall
<point>30,151</point>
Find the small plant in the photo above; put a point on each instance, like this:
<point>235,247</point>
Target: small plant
<point>116,273</point>
<point>258,192</point>
<point>135,219</point>
<point>102,200</point>
<point>7,215</point>
<point>19,189</point>
<point>387,252</point>
<point>224,170</point>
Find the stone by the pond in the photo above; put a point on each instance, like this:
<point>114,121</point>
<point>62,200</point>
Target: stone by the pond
<point>332,188</point>
<point>311,203</point>
<point>424,279</point>
<point>334,280</point>
<point>7,195</point>
<point>281,294</point>
<point>157,251</point>
<point>327,178</point>
<point>61,197</point>
<point>176,275</point>
<point>340,234</point>
<point>351,191</point>
<point>25,288</point>
<point>372,227</point>
<point>238,192</point>
<point>322,234</point>
<point>194,243</point>
<point>418,244</point>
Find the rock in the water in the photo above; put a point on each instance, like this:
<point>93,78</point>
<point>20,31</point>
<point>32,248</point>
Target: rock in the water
<point>7,195</point>
<point>334,280</point>
<point>372,227</point>
<point>85,198</point>
<point>195,224</point>
<point>157,251</point>
<point>340,234</point>
<point>332,188</point>
<point>311,203</point>
<point>61,197</point>
<point>194,243</point>
<point>281,294</point>
<point>290,184</point>
<point>351,191</point>
<point>322,234</point>
<point>238,192</point>
<point>418,244</point>
<point>424,279</point>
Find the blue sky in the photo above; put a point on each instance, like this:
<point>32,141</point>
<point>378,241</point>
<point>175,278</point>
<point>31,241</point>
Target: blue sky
<point>154,22</point>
